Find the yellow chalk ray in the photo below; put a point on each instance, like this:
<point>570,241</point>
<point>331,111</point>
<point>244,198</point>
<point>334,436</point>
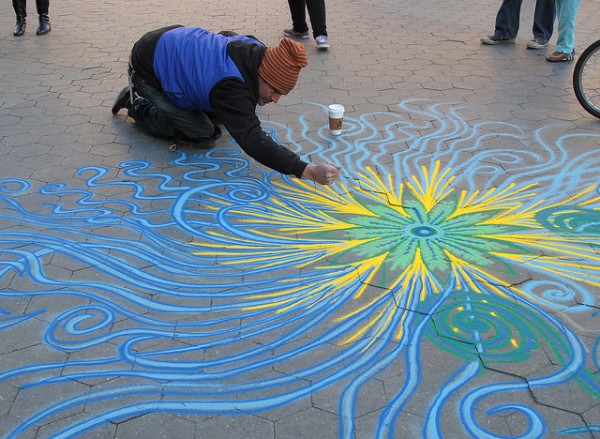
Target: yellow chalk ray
<point>326,198</point>
<point>435,186</point>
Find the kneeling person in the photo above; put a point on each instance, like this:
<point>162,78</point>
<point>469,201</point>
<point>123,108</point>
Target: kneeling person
<point>182,78</point>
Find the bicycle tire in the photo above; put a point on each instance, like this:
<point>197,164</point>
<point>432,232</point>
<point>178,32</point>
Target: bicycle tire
<point>586,79</point>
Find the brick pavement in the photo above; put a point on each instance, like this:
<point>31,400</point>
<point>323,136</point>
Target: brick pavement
<point>163,294</point>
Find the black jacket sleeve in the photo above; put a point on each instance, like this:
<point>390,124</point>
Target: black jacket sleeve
<point>236,108</point>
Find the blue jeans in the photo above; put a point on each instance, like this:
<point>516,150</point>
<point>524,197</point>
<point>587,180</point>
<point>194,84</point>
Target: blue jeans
<point>157,116</point>
<point>566,11</point>
<point>507,20</point>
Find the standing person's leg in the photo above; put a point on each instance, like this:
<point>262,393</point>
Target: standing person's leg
<point>543,20</point>
<point>157,116</point>
<point>299,25</point>
<point>507,19</point>
<point>21,12</point>
<point>566,12</point>
<point>42,9</point>
<point>507,23</point>
<point>316,12</point>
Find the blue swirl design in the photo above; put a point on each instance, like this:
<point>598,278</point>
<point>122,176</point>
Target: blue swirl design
<point>218,287</point>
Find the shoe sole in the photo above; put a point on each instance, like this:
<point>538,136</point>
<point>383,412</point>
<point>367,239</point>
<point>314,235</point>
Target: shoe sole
<point>566,59</point>
<point>497,42</point>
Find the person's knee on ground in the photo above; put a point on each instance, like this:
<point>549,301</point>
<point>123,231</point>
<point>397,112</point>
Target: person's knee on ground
<point>202,133</point>
<point>202,143</point>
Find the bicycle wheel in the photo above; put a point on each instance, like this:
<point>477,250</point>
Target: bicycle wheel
<point>586,79</point>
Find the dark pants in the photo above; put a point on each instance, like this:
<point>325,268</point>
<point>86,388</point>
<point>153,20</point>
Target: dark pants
<point>157,116</point>
<point>316,12</point>
<point>21,11</point>
<point>507,20</point>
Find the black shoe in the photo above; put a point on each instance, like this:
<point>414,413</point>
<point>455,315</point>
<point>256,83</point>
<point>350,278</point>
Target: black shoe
<point>291,32</point>
<point>122,101</point>
<point>44,26</point>
<point>19,27</point>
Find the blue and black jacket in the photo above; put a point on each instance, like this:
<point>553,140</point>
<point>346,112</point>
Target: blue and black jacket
<point>215,73</point>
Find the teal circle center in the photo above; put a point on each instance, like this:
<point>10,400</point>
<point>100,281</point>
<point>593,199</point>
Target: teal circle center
<point>425,231</point>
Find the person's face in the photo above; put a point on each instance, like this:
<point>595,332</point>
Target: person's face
<point>266,93</point>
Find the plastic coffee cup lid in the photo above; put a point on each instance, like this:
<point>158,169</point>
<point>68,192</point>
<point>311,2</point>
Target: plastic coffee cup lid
<point>336,109</point>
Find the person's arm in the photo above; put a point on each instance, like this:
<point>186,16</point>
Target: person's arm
<point>234,106</point>
<point>236,110</point>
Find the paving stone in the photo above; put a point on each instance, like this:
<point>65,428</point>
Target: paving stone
<point>164,426</point>
<point>322,424</point>
<point>235,426</point>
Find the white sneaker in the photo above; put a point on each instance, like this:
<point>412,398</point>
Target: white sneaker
<point>322,42</point>
<point>536,44</point>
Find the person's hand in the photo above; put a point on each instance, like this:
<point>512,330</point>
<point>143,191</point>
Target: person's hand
<point>323,173</point>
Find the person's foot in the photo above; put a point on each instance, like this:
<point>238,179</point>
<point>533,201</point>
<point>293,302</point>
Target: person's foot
<point>537,43</point>
<point>322,42</point>
<point>44,26</point>
<point>561,57</point>
<point>290,32</point>
<point>122,101</point>
<point>20,27</point>
<point>495,39</point>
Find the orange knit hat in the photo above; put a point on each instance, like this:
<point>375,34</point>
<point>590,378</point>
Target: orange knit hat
<point>281,65</point>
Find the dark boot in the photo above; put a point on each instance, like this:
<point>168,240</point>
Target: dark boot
<point>20,27</point>
<point>123,100</point>
<point>21,13</point>
<point>42,10</point>
<point>44,26</point>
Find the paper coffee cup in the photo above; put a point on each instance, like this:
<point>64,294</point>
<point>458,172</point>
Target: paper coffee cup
<point>336,118</point>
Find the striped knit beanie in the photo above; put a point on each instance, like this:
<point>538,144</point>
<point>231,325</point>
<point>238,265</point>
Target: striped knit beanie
<point>281,65</point>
